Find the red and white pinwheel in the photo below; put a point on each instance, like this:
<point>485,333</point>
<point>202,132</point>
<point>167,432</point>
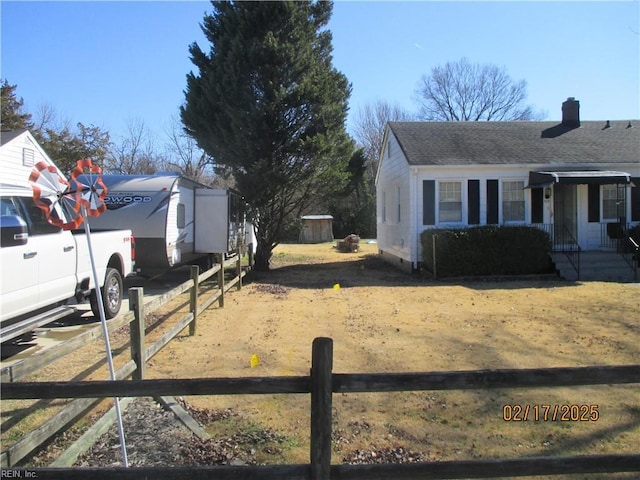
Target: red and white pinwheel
<point>52,194</point>
<point>90,191</point>
<point>66,207</point>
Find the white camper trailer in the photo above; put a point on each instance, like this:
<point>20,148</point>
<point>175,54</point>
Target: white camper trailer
<point>219,221</point>
<point>167,214</point>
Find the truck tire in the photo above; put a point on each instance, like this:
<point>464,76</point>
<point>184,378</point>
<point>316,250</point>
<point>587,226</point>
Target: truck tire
<point>111,293</point>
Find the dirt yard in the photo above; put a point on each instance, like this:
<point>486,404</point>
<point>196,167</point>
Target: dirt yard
<point>383,320</point>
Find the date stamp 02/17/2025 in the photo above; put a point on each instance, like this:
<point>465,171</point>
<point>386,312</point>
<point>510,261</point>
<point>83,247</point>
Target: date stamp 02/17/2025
<point>550,413</point>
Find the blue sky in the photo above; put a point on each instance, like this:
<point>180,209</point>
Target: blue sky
<point>108,63</point>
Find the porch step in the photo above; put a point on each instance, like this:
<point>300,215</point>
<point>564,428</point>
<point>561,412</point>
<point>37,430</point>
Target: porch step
<point>596,266</point>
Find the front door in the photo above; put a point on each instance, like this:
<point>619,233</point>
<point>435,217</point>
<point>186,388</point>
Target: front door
<point>565,214</point>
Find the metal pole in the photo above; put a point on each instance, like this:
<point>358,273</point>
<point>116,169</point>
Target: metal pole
<point>105,334</point>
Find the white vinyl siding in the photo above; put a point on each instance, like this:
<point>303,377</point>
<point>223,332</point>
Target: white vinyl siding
<point>393,213</point>
<point>384,207</point>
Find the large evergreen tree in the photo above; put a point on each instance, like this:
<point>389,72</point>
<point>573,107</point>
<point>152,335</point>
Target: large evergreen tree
<point>354,208</point>
<point>268,104</point>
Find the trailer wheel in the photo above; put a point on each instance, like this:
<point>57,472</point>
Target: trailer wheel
<point>111,292</point>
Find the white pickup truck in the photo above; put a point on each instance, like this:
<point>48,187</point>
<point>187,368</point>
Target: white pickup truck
<point>44,266</point>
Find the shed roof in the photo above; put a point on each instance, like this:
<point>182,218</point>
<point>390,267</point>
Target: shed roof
<point>473,143</point>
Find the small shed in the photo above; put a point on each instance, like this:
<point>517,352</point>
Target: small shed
<point>316,229</point>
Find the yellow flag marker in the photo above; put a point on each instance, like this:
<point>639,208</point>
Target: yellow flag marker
<point>336,286</point>
<point>255,360</point>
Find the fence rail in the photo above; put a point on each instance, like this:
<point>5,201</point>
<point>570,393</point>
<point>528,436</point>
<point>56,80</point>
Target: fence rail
<point>140,353</point>
<point>321,383</point>
<point>340,383</point>
<point>27,366</point>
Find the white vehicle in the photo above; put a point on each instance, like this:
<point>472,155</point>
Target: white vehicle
<point>174,220</point>
<point>43,265</point>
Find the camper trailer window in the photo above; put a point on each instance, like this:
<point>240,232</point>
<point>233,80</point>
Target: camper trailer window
<point>181,215</point>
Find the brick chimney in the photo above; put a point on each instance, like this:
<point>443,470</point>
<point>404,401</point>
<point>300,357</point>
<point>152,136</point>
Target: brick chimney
<point>571,112</point>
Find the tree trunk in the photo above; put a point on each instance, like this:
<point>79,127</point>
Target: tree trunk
<point>262,257</point>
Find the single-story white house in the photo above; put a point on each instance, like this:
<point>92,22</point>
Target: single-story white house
<point>571,178</point>
<point>19,153</point>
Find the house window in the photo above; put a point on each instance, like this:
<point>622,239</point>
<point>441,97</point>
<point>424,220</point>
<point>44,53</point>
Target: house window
<point>613,202</point>
<point>450,202</point>
<point>389,148</point>
<point>513,201</point>
<point>398,196</point>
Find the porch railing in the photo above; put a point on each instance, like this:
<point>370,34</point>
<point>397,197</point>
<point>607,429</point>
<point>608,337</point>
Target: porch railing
<point>563,241</point>
<point>617,235</point>
<point>611,234</point>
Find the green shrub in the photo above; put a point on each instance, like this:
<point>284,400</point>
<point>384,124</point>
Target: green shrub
<point>487,250</point>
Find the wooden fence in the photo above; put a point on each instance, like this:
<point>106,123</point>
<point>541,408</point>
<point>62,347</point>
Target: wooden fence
<point>140,353</point>
<point>322,383</point>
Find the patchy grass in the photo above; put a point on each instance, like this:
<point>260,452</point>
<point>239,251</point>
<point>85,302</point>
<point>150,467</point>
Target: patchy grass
<point>383,320</point>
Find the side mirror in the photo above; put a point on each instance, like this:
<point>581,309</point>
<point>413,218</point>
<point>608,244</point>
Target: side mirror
<point>14,231</point>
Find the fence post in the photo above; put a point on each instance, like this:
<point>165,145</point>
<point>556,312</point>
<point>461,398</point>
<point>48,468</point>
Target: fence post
<point>239,269</point>
<point>321,403</point>
<point>193,298</point>
<point>434,240</point>
<point>136,332</point>
<point>221,279</point>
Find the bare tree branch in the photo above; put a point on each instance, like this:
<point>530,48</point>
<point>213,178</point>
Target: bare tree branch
<point>185,157</point>
<point>134,152</point>
<point>370,125</point>
<point>462,91</point>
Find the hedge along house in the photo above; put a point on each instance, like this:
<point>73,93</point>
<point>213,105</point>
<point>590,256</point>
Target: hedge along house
<point>574,179</point>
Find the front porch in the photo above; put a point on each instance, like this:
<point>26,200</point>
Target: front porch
<point>585,214</point>
<point>615,259</point>
<point>598,266</point>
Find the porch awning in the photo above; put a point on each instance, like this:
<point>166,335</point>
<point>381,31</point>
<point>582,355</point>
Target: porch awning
<point>587,177</point>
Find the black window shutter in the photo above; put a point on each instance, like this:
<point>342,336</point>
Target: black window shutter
<point>473,190</point>
<point>635,200</point>
<point>492,202</point>
<point>428,202</point>
<point>537,203</point>
<point>593,204</point>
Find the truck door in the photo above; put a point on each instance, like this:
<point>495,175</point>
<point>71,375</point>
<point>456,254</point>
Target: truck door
<point>19,272</point>
<point>55,252</point>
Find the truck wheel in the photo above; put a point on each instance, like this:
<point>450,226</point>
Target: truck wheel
<point>111,295</point>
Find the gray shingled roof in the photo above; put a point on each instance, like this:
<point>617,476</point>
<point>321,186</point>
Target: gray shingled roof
<point>7,135</point>
<point>473,143</point>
